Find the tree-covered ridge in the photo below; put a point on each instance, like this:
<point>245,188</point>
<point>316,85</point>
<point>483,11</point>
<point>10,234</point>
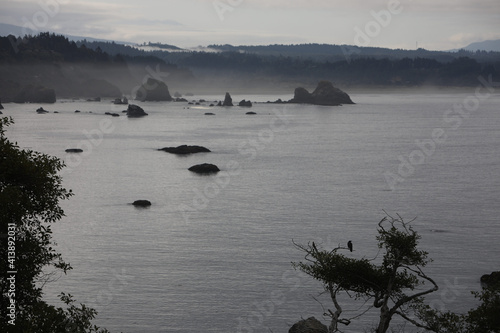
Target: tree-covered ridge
<point>360,71</point>
<point>339,63</point>
<point>71,70</point>
<point>338,52</point>
<point>50,47</point>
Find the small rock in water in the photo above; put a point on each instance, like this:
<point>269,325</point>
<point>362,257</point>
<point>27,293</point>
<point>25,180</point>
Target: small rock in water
<point>74,150</point>
<point>142,203</point>
<point>205,168</point>
<point>185,149</point>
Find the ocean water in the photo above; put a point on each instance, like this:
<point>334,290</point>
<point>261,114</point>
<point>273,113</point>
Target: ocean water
<point>214,253</point>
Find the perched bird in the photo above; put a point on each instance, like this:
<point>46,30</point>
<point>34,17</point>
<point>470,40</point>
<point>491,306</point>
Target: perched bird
<point>349,245</point>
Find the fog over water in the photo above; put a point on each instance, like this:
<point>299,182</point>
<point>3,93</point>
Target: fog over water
<point>214,253</point>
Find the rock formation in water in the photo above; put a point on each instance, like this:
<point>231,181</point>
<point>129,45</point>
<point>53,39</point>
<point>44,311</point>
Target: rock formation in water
<point>121,101</point>
<point>491,279</point>
<point>1,106</point>
<point>228,101</point>
<point>185,150</point>
<point>154,91</point>
<point>142,203</point>
<point>41,110</point>
<point>135,111</point>
<point>309,325</point>
<point>245,103</point>
<point>205,168</point>
<point>74,150</point>
<point>301,95</point>
<point>324,94</point>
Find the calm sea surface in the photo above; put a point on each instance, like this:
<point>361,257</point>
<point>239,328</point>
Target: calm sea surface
<point>214,253</point>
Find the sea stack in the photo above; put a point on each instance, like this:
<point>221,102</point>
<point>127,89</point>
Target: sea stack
<point>324,94</point>
<point>228,101</point>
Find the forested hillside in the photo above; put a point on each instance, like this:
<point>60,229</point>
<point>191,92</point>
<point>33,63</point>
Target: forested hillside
<point>108,69</point>
<point>51,61</point>
<point>347,65</point>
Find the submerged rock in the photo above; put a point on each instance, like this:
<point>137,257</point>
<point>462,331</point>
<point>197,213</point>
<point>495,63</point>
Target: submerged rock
<point>135,111</point>
<point>205,168</point>
<point>142,203</point>
<point>309,325</point>
<point>41,110</point>
<point>185,149</point>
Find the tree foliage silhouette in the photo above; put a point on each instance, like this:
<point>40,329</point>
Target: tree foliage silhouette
<point>30,192</point>
<point>395,286</point>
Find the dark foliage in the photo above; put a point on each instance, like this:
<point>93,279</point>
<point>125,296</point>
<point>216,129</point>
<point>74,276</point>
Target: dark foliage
<point>30,191</point>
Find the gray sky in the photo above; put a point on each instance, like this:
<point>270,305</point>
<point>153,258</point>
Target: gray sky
<point>434,24</point>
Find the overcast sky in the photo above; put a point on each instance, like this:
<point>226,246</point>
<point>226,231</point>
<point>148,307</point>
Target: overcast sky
<point>433,24</point>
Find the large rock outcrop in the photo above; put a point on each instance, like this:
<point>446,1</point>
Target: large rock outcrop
<point>324,94</point>
<point>490,280</point>
<point>35,94</point>
<point>309,325</point>
<point>135,111</point>
<point>228,101</point>
<point>154,91</point>
<point>245,103</point>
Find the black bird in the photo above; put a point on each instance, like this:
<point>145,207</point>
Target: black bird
<point>349,245</point>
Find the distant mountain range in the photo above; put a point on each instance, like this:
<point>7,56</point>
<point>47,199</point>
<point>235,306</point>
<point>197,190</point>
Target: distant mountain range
<point>7,29</point>
<point>487,45</point>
